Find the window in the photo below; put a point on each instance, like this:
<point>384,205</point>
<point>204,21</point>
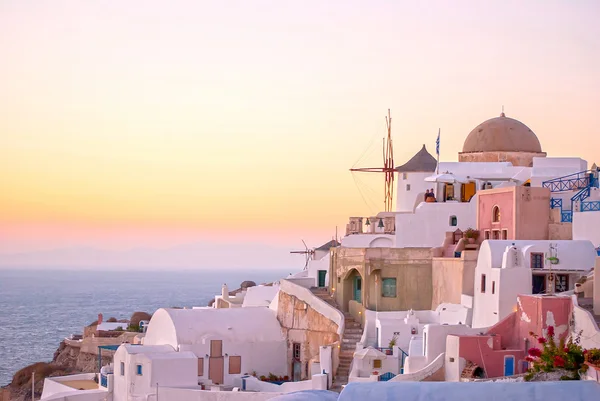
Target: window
<point>139,370</point>
<point>496,234</point>
<point>235,365</point>
<point>483,283</point>
<point>504,234</point>
<point>122,368</point>
<point>453,221</point>
<point>339,280</point>
<point>388,288</point>
<point>496,214</point>
<point>200,366</point>
<point>493,287</point>
<point>377,364</point>
<point>404,175</point>
<point>537,260</point>
<point>296,348</point>
<point>561,282</point>
<point>486,234</point>
<point>408,187</point>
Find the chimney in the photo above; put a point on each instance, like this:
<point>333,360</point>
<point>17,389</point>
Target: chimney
<point>99,319</point>
<point>225,292</point>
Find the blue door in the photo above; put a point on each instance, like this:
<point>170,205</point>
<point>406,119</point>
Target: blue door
<point>357,289</point>
<point>509,365</point>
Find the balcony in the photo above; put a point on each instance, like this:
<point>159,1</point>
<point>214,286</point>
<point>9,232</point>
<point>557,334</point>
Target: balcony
<point>371,225</point>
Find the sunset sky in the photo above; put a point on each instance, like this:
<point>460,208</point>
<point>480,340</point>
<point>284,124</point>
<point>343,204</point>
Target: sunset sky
<point>153,124</point>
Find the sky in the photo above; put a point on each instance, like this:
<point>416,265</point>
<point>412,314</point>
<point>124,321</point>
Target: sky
<point>135,126</point>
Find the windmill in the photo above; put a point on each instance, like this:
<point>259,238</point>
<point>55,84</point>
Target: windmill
<point>308,252</point>
<point>388,165</point>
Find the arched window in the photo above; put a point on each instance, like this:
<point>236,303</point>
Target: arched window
<point>496,214</point>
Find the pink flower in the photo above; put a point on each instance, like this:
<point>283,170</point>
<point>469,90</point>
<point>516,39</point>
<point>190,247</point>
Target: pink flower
<point>535,352</point>
<point>550,331</point>
<point>541,340</point>
<point>529,359</point>
<point>585,351</point>
<point>559,362</point>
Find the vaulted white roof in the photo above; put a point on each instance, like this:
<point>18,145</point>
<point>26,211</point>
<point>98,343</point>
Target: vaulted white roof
<point>197,326</point>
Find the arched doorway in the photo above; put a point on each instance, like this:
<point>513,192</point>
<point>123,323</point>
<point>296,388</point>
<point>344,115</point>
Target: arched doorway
<point>353,288</point>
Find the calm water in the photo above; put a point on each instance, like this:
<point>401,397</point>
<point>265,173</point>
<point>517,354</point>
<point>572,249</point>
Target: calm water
<point>40,308</point>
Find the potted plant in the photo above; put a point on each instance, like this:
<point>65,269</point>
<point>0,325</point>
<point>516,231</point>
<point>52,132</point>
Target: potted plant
<point>592,358</point>
<point>471,235</point>
<point>552,259</point>
<point>391,345</point>
<point>566,358</point>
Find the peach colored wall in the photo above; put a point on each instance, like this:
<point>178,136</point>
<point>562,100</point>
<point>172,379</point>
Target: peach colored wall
<point>532,213</point>
<point>509,336</point>
<point>524,212</point>
<point>504,199</point>
<point>477,350</point>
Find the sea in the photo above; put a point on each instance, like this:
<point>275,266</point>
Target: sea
<point>39,308</point>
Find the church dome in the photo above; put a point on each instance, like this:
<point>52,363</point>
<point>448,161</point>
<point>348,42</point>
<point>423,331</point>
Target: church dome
<point>502,134</point>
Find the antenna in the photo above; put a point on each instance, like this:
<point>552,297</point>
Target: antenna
<point>388,165</point>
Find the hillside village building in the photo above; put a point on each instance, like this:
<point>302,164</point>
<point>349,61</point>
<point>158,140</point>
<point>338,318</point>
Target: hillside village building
<point>445,288</point>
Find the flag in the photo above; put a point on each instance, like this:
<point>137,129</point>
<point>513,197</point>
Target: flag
<point>437,144</point>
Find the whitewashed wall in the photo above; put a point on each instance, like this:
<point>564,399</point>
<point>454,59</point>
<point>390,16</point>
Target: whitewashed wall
<point>406,198</point>
<point>369,241</point>
<point>427,226</point>
<point>586,226</point>
<point>321,264</point>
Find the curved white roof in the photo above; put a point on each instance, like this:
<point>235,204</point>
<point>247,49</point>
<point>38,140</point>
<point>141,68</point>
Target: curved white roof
<point>197,326</point>
<point>573,254</point>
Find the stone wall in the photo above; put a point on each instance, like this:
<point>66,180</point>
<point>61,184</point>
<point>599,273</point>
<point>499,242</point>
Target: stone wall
<point>557,230</point>
<point>524,159</point>
<point>302,324</point>
<point>410,267</point>
<point>453,277</point>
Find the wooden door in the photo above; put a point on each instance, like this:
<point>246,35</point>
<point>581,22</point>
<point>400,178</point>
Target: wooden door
<point>216,367</point>
<point>216,348</point>
<point>235,365</point>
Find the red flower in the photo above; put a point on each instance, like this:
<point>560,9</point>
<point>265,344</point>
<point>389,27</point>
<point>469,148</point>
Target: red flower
<point>529,359</point>
<point>559,362</point>
<point>535,352</point>
<point>550,331</point>
<point>566,349</point>
<point>585,351</point>
<point>541,340</point>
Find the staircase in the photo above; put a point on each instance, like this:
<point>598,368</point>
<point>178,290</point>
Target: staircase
<point>352,335</point>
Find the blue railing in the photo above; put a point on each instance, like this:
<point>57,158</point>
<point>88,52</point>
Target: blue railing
<point>555,203</point>
<point>386,376</point>
<point>104,381</point>
<point>570,182</point>
<point>566,216</point>
<point>592,206</point>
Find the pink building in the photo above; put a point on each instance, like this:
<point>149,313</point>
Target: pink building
<point>514,213</point>
<point>501,350</point>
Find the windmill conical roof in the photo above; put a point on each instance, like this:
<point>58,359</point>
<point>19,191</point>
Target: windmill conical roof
<point>421,162</point>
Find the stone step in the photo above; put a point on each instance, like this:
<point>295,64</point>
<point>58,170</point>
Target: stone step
<point>353,330</point>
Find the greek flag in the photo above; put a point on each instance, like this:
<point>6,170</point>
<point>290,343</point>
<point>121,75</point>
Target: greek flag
<point>437,144</point>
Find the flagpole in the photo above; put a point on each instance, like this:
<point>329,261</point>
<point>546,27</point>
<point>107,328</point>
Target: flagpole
<point>437,148</point>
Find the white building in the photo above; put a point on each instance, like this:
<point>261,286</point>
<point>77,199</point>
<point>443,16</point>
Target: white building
<point>226,342</point>
<point>139,368</point>
<point>506,269</point>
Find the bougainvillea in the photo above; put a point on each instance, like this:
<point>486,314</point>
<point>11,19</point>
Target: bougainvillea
<point>568,356</point>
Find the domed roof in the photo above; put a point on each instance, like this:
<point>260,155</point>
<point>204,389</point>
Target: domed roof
<point>502,134</point>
